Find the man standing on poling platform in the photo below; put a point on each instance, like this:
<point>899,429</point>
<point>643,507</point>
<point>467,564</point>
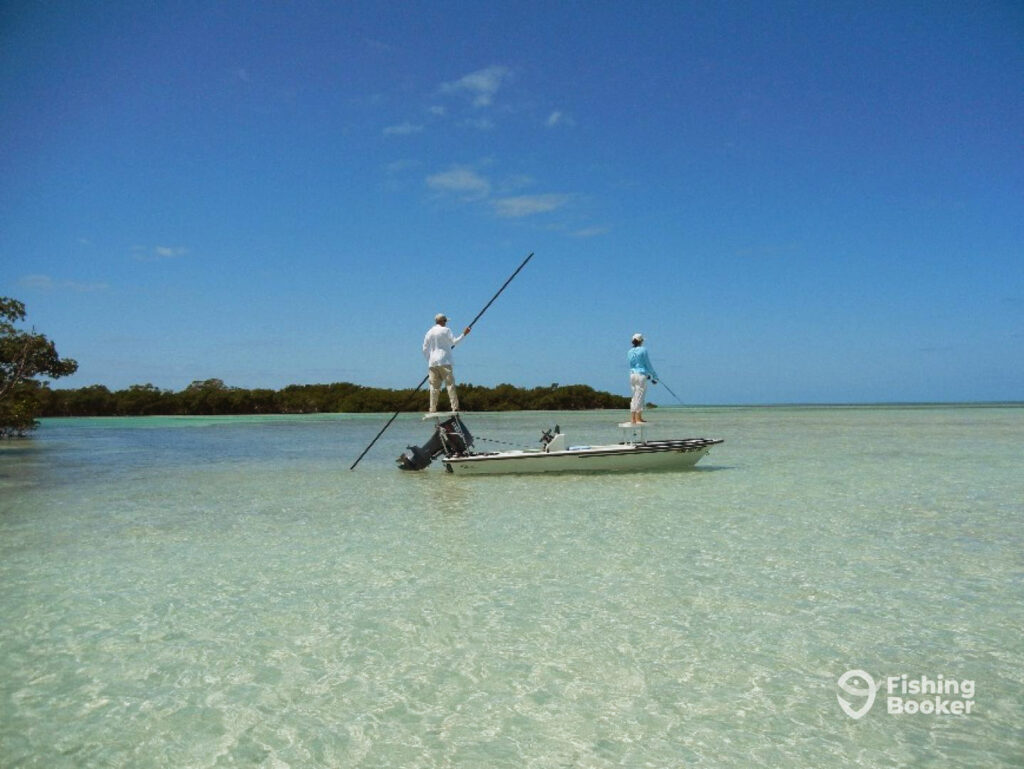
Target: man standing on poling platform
<point>437,349</point>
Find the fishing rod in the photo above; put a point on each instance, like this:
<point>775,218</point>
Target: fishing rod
<point>424,380</point>
<point>662,383</point>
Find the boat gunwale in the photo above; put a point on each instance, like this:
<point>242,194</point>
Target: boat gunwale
<point>680,446</point>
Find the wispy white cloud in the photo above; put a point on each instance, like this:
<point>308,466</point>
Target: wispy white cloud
<point>527,205</point>
<point>170,252</point>
<point>559,118</point>
<point>400,166</point>
<point>480,86</point>
<point>378,46</point>
<point>515,183</point>
<point>461,181</point>
<point>158,253</point>
<point>470,186</point>
<point>590,232</point>
<point>46,283</point>
<point>483,123</point>
<point>402,129</point>
<point>37,282</point>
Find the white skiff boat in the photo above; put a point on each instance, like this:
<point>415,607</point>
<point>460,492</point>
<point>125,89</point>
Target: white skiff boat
<point>453,442</point>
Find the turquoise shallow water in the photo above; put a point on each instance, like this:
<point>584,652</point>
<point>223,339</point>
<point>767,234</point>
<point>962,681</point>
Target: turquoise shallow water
<point>225,592</point>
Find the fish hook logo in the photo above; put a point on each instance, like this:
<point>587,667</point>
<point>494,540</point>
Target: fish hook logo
<point>856,690</point>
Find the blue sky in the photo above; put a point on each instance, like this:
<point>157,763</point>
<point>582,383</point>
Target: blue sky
<point>794,201</point>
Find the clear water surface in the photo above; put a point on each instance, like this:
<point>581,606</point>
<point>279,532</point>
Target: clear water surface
<point>225,592</point>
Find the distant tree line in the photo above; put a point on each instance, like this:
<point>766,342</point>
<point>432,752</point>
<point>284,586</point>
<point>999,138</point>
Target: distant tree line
<point>212,396</point>
<point>28,356</point>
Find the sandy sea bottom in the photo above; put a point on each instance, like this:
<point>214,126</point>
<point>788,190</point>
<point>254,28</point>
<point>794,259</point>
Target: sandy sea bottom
<point>225,592</point>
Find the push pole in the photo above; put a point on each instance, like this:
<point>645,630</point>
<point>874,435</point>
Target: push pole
<point>424,380</point>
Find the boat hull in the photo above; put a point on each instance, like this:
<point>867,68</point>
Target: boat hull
<point>627,457</point>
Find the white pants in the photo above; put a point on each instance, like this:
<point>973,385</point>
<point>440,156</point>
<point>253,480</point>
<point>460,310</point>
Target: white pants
<point>638,383</point>
<point>439,375</point>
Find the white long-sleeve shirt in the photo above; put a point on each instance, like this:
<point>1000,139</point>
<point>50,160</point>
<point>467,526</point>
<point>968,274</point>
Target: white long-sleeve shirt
<point>438,344</point>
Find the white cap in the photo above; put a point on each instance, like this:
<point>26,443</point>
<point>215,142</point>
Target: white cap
<point>440,317</point>
<point>638,337</point>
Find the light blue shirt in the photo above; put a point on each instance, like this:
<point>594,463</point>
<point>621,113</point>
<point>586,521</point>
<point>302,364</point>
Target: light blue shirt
<point>640,363</point>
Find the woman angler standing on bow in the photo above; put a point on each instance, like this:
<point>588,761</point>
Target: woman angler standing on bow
<point>640,370</point>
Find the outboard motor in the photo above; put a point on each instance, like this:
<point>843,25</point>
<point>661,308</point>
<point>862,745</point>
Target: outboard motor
<point>451,438</point>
